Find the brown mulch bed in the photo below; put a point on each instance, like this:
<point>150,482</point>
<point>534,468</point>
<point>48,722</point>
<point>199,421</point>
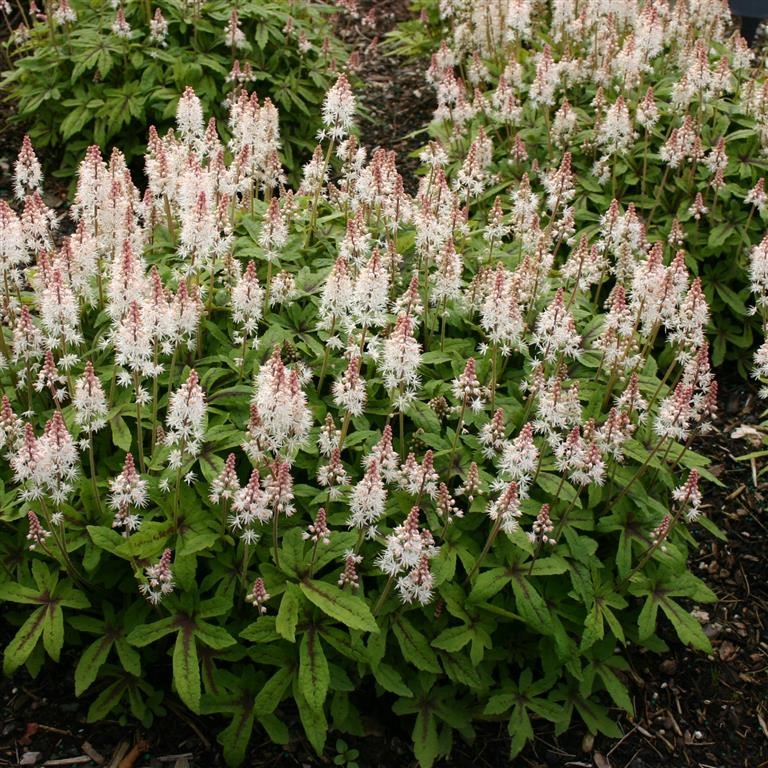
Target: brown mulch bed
<point>396,101</point>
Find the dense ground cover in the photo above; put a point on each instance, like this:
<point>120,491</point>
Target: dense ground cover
<point>481,277</point>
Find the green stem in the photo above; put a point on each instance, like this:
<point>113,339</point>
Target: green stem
<point>455,442</point>
<point>268,288</point>
<point>275,535</point>
<point>384,595</point>
<point>242,356</point>
<point>311,571</point>
<point>486,549</point>
<point>326,355</point>
<point>639,472</point>
<point>92,463</point>
<point>139,433</point>
<point>246,562</point>
<point>344,429</point>
<point>493,377</point>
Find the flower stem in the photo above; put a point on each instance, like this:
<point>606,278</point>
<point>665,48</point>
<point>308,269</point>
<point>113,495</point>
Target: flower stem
<point>384,595</point>
<point>486,549</point>
<point>275,535</point>
<point>139,434</point>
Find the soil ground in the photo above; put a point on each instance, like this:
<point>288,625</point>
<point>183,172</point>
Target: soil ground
<point>691,711</point>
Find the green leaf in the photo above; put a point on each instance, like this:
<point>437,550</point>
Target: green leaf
<point>276,729</point>
<point>314,723</point>
<point>235,737</point>
<point>196,543</point>
<point>314,676</point>
<point>731,299</point>
<point>24,642</point>
<point>129,657</point>
<point>288,613</point>
<point>489,583</point>
<point>105,538</point>
<point>74,122</point>
<point>18,593</point>
<point>106,701</point>
<point>519,729</point>
<point>90,662</point>
<point>390,680</point>
<point>646,621</point>
<point>453,639</point>
<point>214,637</point>
<point>616,689</point>
<point>549,566</point>
<point>551,485</point>
<point>596,718</point>
<point>531,606</point>
<point>350,610</point>
<point>347,645</point>
<point>461,670</point>
<point>121,435</point>
<point>273,691</point>
<point>688,629</point>
<point>414,646</point>
<point>186,669</point>
<point>593,628</point>
<point>263,630</point>
<point>53,631</point>
<point>500,703</point>
<point>292,552</point>
<point>149,633</point>
<point>426,745</point>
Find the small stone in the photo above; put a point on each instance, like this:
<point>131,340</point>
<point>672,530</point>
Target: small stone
<point>668,667</point>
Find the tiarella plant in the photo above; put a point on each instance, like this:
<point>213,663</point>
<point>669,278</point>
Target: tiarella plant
<point>656,105</point>
<point>302,451</point>
<point>100,72</point>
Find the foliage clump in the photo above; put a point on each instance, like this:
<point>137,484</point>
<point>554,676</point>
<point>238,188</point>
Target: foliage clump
<point>90,71</point>
<point>298,450</point>
<point>657,103</point>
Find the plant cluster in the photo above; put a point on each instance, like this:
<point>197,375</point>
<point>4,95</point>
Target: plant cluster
<point>657,107</point>
<point>91,71</point>
<point>282,455</point>
<point>757,438</point>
